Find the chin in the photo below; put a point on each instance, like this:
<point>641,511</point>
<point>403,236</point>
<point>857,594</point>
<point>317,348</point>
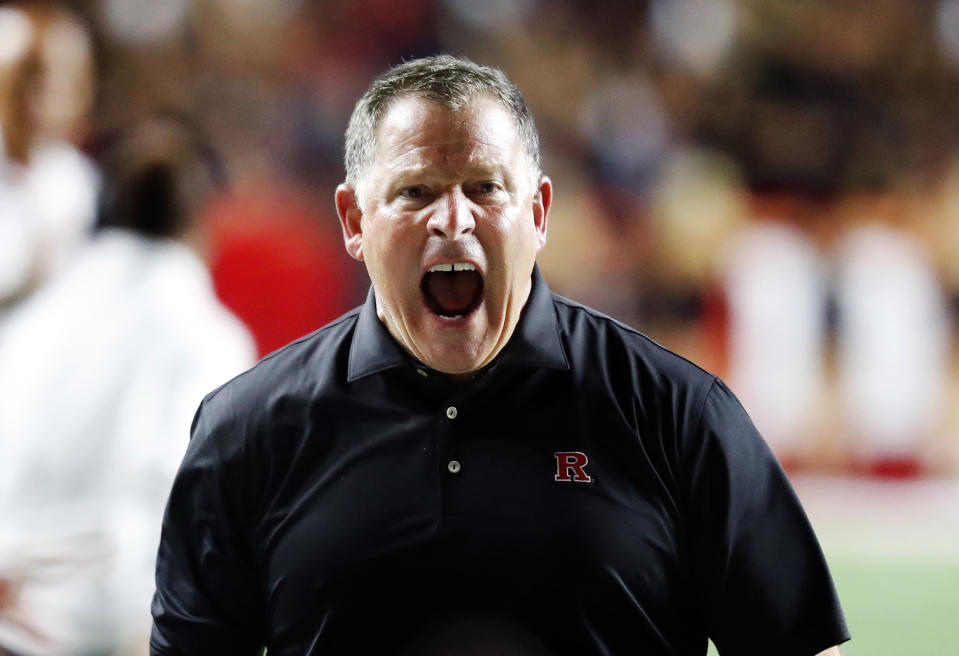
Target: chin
<point>454,367</point>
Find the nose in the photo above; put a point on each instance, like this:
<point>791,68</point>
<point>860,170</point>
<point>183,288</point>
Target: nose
<point>451,217</point>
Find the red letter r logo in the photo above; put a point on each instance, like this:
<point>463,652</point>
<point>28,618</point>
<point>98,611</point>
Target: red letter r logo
<point>569,466</point>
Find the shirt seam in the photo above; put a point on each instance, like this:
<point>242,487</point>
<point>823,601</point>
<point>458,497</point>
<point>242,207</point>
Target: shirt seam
<point>702,404</point>
<point>559,336</point>
<point>686,490</point>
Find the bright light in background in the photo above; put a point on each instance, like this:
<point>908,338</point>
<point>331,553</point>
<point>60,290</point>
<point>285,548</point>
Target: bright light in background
<point>281,7</point>
<point>67,83</point>
<point>145,21</point>
<point>627,125</point>
<point>15,35</point>
<point>252,13</point>
<point>947,30</point>
<point>697,201</point>
<point>492,15</point>
<point>695,32</point>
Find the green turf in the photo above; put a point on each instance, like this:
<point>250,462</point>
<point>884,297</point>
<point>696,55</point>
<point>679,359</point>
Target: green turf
<point>898,608</point>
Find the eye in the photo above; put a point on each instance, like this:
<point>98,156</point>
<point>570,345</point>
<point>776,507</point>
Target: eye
<point>487,188</point>
<point>413,193</point>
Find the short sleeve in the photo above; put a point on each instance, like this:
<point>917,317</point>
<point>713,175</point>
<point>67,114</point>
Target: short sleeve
<point>207,597</point>
<point>764,584</point>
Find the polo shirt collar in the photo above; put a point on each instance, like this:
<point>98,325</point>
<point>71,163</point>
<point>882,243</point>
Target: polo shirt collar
<point>373,349</point>
<point>535,342</point>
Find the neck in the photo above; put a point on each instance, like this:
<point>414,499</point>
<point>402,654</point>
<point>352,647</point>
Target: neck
<point>463,378</point>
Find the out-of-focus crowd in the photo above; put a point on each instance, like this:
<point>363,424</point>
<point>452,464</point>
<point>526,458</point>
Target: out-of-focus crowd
<point>729,174</point>
<point>768,187</point>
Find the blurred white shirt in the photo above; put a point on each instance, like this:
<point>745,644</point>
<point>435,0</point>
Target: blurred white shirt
<point>101,372</point>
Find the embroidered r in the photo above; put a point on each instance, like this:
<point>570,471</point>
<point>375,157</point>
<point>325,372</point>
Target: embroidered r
<point>570,466</point>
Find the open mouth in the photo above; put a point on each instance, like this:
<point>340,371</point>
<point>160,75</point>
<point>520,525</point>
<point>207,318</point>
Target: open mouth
<point>452,291</point>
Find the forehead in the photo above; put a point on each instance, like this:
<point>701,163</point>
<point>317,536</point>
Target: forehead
<point>416,130</point>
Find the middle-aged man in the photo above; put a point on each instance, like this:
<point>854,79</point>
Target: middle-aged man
<point>469,464</point>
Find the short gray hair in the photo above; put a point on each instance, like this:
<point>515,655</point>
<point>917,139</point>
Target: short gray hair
<point>450,81</point>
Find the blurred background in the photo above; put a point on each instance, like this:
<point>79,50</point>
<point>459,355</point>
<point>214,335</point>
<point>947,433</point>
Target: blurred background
<point>769,188</point>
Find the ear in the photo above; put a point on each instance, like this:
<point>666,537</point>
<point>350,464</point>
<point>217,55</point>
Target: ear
<point>542,199</point>
<point>351,220</point>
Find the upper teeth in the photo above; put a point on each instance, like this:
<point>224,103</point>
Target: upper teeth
<point>457,266</point>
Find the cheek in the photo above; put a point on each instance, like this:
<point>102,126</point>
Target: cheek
<point>503,230</point>
<point>378,237</point>
<point>393,251</point>
<point>521,239</point>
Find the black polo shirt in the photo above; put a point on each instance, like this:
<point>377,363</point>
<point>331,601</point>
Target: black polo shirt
<point>590,489</point>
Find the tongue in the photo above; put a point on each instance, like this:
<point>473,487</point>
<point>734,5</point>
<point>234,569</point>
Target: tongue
<point>453,292</point>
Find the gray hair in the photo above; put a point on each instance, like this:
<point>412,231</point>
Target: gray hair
<point>450,81</point>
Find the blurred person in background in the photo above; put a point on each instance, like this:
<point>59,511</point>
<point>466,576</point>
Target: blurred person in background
<point>776,285</point>
<point>101,370</point>
<point>468,459</point>
<point>894,339</point>
<point>48,187</point>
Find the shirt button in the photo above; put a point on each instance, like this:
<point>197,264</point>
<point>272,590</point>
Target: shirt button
<point>454,466</point>
<point>451,412</point>
<point>422,372</point>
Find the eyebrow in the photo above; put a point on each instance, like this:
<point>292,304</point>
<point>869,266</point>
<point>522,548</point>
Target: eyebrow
<point>400,174</point>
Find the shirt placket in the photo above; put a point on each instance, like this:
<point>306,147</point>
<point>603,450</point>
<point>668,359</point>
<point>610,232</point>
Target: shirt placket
<point>450,425</point>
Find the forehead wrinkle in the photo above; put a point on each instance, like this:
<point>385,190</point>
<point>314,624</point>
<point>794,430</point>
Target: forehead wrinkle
<point>420,139</point>
<point>427,160</point>
<point>407,116</point>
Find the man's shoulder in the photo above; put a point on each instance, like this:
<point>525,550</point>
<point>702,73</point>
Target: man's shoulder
<point>260,415</point>
<point>296,369</point>
<point>595,338</point>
